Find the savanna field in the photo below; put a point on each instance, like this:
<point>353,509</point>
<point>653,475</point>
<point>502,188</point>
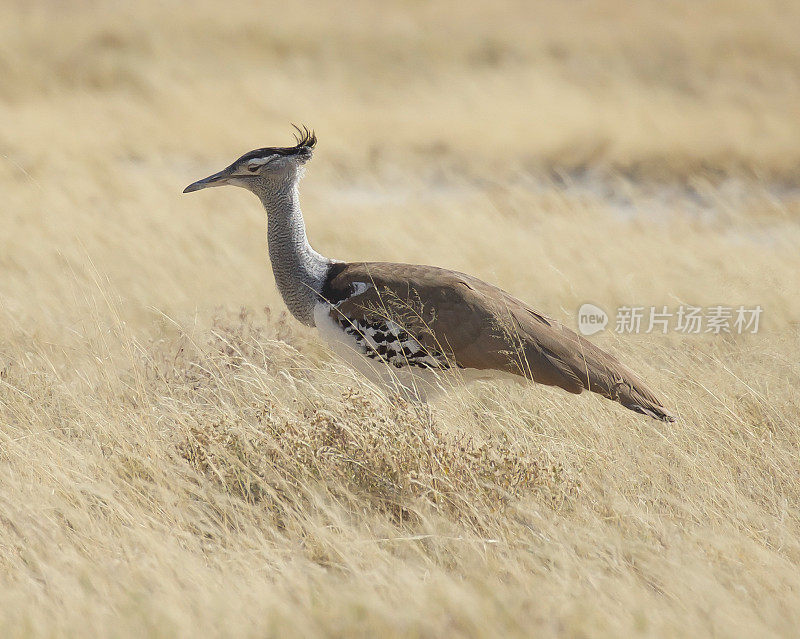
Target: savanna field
<point>180,458</point>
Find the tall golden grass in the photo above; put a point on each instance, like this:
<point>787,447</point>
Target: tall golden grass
<point>179,458</point>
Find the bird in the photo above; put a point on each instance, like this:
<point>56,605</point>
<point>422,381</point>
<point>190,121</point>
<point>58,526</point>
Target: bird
<point>408,324</point>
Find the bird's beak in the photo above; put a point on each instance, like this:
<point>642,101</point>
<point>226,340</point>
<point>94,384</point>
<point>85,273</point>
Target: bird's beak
<point>218,179</point>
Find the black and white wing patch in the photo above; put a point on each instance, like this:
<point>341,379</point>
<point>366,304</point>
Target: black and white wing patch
<point>377,337</point>
<point>390,343</point>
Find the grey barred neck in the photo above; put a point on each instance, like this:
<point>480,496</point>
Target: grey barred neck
<point>300,272</point>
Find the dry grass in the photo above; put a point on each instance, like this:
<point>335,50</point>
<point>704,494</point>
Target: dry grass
<point>173,466</point>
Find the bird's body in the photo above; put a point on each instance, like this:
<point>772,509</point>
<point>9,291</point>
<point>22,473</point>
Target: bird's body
<point>410,324</point>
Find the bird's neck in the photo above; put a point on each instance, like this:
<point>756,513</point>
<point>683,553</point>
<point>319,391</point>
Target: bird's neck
<point>299,270</point>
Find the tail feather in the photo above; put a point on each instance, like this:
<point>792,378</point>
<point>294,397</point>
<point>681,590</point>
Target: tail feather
<point>584,366</point>
<point>557,356</point>
<point>636,402</point>
<point>617,382</point>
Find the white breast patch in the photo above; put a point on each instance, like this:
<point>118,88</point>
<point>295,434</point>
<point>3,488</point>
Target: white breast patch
<point>359,288</point>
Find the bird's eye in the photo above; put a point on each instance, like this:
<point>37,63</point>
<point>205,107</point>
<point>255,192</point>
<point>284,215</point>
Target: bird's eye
<point>256,163</point>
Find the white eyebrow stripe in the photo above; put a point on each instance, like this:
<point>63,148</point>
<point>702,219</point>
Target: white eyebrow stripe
<point>259,161</point>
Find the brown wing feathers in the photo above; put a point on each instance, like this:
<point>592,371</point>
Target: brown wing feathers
<point>480,326</point>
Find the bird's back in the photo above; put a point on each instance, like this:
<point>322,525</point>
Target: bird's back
<point>459,320</point>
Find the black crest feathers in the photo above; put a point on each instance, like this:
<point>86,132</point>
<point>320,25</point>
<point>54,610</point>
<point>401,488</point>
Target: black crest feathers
<point>306,139</point>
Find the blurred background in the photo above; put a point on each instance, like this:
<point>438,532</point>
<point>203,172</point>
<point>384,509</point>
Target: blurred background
<point>627,153</point>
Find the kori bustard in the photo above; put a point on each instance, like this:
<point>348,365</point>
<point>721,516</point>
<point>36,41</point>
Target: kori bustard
<point>406,323</point>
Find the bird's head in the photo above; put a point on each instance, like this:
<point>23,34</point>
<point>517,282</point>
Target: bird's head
<point>267,168</point>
